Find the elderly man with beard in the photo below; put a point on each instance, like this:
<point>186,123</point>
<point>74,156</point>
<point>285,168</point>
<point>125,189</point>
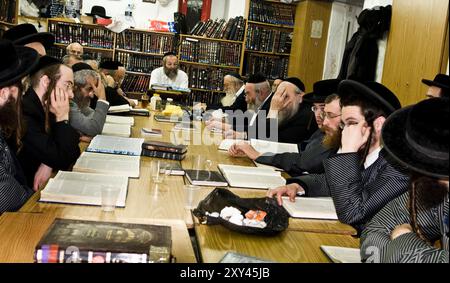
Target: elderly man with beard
<point>313,151</point>
<point>87,121</point>
<point>169,73</point>
<point>20,61</point>
<point>408,228</point>
<point>361,178</point>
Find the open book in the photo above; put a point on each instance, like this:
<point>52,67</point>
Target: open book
<point>116,145</point>
<point>83,188</point>
<point>110,119</point>
<point>342,255</point>
<point>120,108</point>
<point>315,208</point>
<point>251,177</point>
<point>261,145</point>
<point>117,165</point>
<point>118,130</point>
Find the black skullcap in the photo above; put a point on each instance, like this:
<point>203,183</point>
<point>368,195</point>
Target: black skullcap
<point>110,65</point>
<point>256,79</point>
<point>297,82</point>
<point>235,75</point>
<point>45,61</point>
<point>81,66</point>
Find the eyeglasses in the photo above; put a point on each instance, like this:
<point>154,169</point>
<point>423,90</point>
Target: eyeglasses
<point>317,108</point>
<point>328,115</point>
<point>68,86</point>
<point>342,125</point>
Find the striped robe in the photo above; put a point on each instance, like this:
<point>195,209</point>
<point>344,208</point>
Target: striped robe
<point>376,243</point>
<point>13,194</point>
<point>358,193</point>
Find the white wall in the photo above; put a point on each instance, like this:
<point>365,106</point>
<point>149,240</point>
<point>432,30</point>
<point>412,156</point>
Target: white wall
<point>142,13</point>
<point>226,9</point>
<point>381,43</point>
<point>343,25</point>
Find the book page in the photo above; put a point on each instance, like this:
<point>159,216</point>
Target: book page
<point>121,165</point>
<point>119,108</point>
<point>342,255</point>
<point>118,130</point>
<point>274,147</point>
<point>116,145</point>
<point>315,208</point>
<point>83,188</point>
<point>227,143</point>
<point>262,178</point>
<point>110,119</point>
<point>249,170</point>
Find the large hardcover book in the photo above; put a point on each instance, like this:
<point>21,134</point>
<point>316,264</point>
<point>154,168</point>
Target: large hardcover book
<point>83,188</point>
<point>118,165</point>
<point>205,178</point>
<point>116,145</point>
<point>261,178</point>
<point>163,154</point>
<point>164,146</point>
<point>314,208</point>
<point>118,130</point>
<point>120,120</point>
<point>104,242</point>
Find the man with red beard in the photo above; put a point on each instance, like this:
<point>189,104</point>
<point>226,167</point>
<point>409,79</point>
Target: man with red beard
<point>20,61</point>
<point>313,151</point>
<point>170,73</point>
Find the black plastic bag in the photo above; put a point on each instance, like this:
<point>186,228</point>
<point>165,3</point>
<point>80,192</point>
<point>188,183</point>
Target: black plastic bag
<point>277,219</point>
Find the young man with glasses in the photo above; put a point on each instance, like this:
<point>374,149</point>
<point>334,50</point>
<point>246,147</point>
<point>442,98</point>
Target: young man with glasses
<point>361,178</point>
<point>313,151</point>
<point>49,141</point>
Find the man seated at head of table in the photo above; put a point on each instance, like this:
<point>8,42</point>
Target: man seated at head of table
<point>170,73</point>
<point>361,178</point>
<point>322,144</point>
<point>14,191</point>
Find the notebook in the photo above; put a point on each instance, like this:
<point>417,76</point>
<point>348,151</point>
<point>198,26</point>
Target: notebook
<point>110,119</point>
<point>116,145</point>
<point>315,208</point>
<point>119,108</point>
<point>120,165</point>
<point>118,130</point>
<point>206,178</point>
<point>251,177</point>
<point>83,188</point>
<point>342,255</point>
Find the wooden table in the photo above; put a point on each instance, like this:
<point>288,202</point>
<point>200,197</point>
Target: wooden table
<point>21,232</point>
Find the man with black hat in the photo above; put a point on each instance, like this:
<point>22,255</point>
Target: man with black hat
<point>49,141</point>
<point>169,73</point>
<point>27,35</point>
<point>20,61</point>
<point>87,121</point>
<point>407,229</point>
<point>110,69</point>
<point>314,150</point>
<point>361,178</point>
<point>439,87</point>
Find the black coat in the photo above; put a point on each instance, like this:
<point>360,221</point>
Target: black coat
<point>239,104</point>
<point>114,98</point>
<point>241,122</point>
<point>59,149</point>
<point>309,159</point>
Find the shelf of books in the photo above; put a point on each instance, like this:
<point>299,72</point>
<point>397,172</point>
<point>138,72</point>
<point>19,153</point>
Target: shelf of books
<point>9,9</point>
<point>269,38</point>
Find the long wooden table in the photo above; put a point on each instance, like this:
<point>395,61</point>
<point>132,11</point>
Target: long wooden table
<point>146,201</point>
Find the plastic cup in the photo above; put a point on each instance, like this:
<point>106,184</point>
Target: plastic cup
<point>191,196</point>
<point>109,198</point>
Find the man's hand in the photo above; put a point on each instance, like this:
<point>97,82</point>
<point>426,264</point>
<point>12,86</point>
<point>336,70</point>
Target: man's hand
<point>401,230</point>
<point>230,134</point>
<point>59,104</point>
<point>85,139</point>
<point>279,101</point>
<point>41,177</point>
<point>216,125</point>
<point>99,88</point>
<point>354,137</point>
<point>244,149</point>
<point>290,190</point>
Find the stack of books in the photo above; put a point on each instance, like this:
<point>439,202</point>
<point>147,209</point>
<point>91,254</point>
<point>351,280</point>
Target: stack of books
<point>90,36</point>
<point>164,150</point>
<point>234,29</point>
<point>155,43</point>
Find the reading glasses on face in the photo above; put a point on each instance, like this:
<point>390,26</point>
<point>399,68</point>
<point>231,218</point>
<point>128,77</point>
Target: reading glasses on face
<point>329,115</point>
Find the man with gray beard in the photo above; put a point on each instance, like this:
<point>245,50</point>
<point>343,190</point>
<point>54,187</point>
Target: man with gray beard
<point>169,73</point>
<point>87,121</point>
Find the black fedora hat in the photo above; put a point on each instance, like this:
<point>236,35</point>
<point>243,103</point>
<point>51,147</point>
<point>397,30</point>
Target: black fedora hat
<point>441,80</point>
<point>418,137</point>
<point>110,65</point>
<point>45,61</point>
<point>98,11</point>
<point>19,62</point>
<point>321,90</point>
<point>374,92</point>
<point>27,33</point>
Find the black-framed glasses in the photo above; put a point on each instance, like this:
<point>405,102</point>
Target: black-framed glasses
<point>329,115</point>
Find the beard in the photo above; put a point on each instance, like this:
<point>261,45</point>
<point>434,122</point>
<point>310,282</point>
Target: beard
<point>80,100</point>
<point>286,114</point>
<point>171,73</point>
<point>10,117</point>
<point>429,192</point>
<point>332,138</point>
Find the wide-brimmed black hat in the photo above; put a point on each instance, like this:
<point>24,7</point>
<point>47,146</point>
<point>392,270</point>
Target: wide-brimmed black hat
<point>441,80</point>
<point>27,33</point>
<point>18,62</point>
<point>297,82</point>
<point>321,90</point>
<point>45,61</point>
<point>98,11</point>
<point>110,65</point>
<point>417,136</point>
<point>374,92</point>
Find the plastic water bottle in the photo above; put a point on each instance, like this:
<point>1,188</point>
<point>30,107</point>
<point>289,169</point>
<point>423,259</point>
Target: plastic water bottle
<point>129,16</point>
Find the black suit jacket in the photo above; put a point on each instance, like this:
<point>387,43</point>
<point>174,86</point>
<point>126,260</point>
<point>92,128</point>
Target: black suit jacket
<point>112,97</point>
<point>239,104</point>
<point>58,149</point>
<point>242,123</point>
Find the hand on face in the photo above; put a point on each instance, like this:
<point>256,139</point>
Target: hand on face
<point>280,100</point>
<point>98,88</point>
<point>59,104</point>
<point>354,137</point>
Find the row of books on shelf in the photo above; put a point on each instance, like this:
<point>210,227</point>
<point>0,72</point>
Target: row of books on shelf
<point>208,97</point>
<point>8,10</point>
<point>272,67</point>
<point>137,62</point>
<point>145,42</point>
<point>136,83</point>
<point>59,52</point>
<point>234,29</point>
<point>66,33</point>
<point>206,78</point>
<point>215,53</point>
<point>271,13</point>
<point>268,40</point>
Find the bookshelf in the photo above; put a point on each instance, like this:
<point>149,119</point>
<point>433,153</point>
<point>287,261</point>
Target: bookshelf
<point>9,9</point>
